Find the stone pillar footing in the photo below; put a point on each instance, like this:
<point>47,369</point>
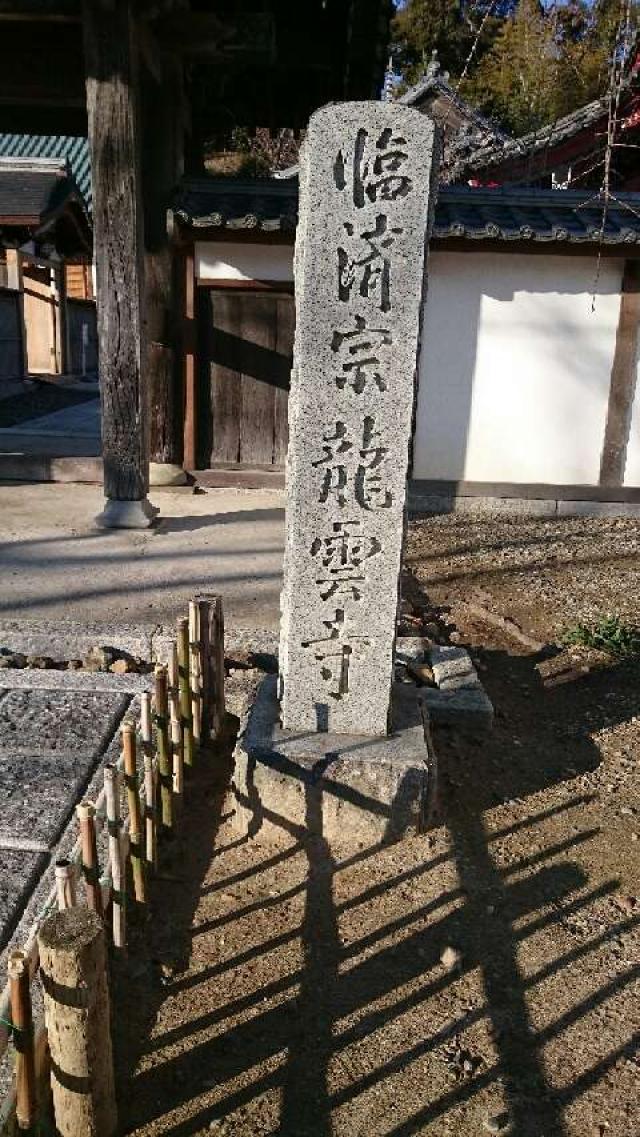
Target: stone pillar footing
<point>117,514</point>
<point>350,789</point>
<point>166,474</point>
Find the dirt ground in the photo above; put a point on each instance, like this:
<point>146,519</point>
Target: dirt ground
<point>292,990</point>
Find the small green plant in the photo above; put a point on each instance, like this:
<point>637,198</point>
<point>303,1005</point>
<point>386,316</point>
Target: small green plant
<point>610,634</point>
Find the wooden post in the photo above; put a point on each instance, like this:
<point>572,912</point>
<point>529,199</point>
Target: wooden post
<point>189,349</point>
<point>186,723</point>
<point>622,387</point>
<point>65,884</point>
<point>116,862</point>
<point>22,1020</point>
<point>16,281</point>
<point>110,55</point>
<point>72,953</point>
<point>162,139</point>
<point>212,628</point>
<point>87,818</point>
<point>165,772</point>
<point>130,756</point>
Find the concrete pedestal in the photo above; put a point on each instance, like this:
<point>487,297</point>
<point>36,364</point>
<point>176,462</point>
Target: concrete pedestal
<point>118,514</point>
<point>352,789</point>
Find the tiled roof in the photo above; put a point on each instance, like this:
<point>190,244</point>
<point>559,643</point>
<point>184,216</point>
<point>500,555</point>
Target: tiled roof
<point>269,204</point>
<point>528,145</point>
<point>33,191</point>
<point>461,212</point>
<point>71,149</point>
<point>536,215</point>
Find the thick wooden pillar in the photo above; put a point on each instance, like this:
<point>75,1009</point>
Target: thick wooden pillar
<point>110,52</point>
<point>623,380</point>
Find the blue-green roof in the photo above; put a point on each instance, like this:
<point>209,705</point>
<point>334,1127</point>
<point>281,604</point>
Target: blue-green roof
<point>75,150</point>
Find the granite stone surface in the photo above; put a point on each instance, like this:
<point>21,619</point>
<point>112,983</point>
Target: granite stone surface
<point>38,794</point>
<point>467,708</point>
<point>348,788</point>
<point>448,662</point>
<point>19,872</point>
<point>51,721</point>
<point>366,179</point>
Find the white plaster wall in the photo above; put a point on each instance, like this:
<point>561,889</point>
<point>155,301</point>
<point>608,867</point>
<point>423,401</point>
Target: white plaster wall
<point>514,368</point>
<point>231,261</point>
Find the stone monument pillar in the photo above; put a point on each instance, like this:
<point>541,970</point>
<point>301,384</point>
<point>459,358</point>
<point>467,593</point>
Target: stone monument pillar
<point>366,195</point>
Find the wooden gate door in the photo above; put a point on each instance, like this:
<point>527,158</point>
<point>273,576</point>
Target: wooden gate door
<point>245,352</point>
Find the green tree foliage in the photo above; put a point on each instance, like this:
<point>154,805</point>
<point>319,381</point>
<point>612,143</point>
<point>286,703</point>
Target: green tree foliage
<point>449,27</point>
<point>533,62</point>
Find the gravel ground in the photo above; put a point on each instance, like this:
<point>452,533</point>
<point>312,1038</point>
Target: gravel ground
<point>480,978</point>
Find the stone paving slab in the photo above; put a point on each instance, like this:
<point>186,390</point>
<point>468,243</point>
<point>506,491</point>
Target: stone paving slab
<point>19,872</point>
<point>70,639</point>
<point>38,722</point>
<point>38,794</point>
<point>31,679</point>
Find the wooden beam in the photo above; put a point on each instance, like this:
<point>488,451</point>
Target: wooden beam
<point>212,35</point>
<point>623,380</point>
<point>112,104</point>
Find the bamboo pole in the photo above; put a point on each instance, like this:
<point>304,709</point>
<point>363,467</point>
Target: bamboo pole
<point>87,818</point>
<point>149,781</point>
<point>195,672</point>
<point>175,730</point>
<point>65,884</point>
<point>130,762</point>
<point>72,953</point>
<point>22,1020</point>
<point>116,860</point>
<point>151,849</point>
<point>185,694</point>
<point>212,638</point>
<point>165,773</point>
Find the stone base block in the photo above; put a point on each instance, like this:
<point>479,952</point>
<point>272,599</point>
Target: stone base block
<point>468,708</point>
<point>351,789</point>
<point>166,474</point>
<point>127,514</point>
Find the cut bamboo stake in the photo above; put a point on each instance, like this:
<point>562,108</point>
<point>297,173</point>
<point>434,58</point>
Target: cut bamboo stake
<point>165,772</point>
<point>195,672</point>
<point>175,730</point>
<point>65,873</point>
<point>87,818</point>
<point>22,1020</point>
<point>185,694</point>
<point>116,861</point>
<point>149,781</point>
<point>76,999</point>
<point>151,853</point>
<point>130,761</point>
<point>212,637</point>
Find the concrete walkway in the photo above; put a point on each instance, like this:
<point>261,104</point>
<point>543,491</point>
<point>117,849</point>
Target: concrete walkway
<point>71,432</point>
<point>54,562</point>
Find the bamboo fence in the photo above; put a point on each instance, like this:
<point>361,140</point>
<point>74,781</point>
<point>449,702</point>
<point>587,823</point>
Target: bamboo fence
<point>189,694</point>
